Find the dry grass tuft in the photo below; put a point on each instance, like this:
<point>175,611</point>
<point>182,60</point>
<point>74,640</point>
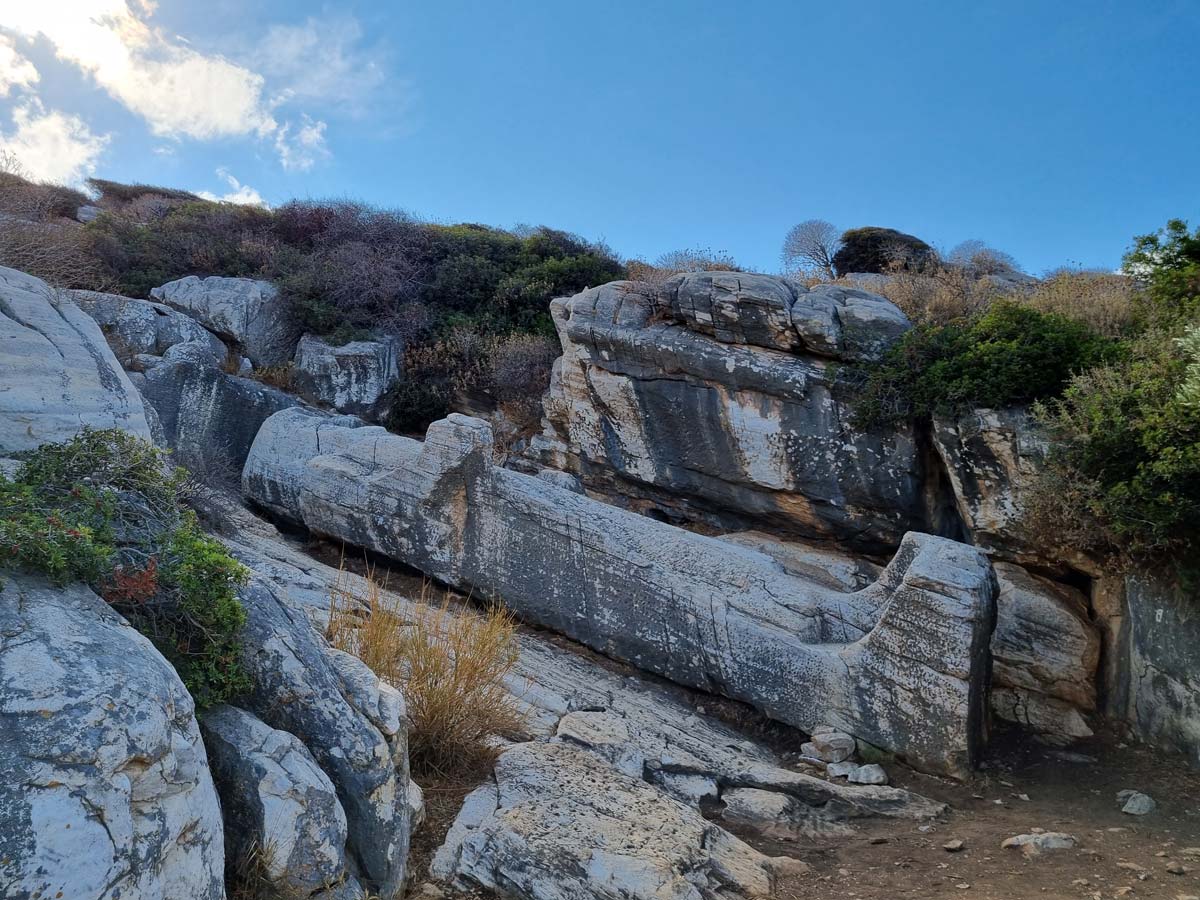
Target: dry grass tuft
<point>1105,301</point>
<point>452,664</point>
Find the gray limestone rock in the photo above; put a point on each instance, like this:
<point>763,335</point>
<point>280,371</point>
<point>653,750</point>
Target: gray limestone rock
<point>243,310</point>
<point>276,797</point>
<point>900,663</point>
<point>59,373</point>
<point>143,327</point>
<point>105,791</point>
<point>352,377</point>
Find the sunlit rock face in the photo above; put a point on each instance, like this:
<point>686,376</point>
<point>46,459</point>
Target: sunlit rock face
<point>718,396</point>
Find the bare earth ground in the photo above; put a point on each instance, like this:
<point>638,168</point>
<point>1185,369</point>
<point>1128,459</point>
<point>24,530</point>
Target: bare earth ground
<point>1118,855</point>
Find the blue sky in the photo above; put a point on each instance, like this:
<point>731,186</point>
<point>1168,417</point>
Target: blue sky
<point>1054,131</point>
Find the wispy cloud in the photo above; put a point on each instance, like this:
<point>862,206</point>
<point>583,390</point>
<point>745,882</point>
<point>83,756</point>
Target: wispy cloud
<point>52,145</point>
<point>301,146</point>
<point>238,192</point>
<point>324,60</point>
<point>15,70</point>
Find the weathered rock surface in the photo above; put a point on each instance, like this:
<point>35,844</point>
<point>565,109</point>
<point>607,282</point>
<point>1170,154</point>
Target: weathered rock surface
<point>717,420</point>
<point>276,797</point>
<point>1045,654</point>
<point>208,417</point>
<point>352,377</point>
<point>298,690</point>
<point>58,373</point>
<point>564,824</point>
<point>900,663</point>
<point>243,310</point>
<point>142,327</point>
<point>1153,647</point>
<point>105,791</point>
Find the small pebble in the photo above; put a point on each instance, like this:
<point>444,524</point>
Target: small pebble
<point>953,846</point>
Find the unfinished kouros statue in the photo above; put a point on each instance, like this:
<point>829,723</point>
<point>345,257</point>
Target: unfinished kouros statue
<point>901,663</point>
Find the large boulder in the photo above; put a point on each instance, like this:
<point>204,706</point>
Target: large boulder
<point>900,663</point>
<point>1046,653</point>
<point>358,738</point>
<point>558,823</point>
<point>242,310</point>
<point>208,417</point>
<point>135,327</point>
<point>682,400</point>
<point>58,372</point>
<point>352,377</point>
<point>278,805</point>
<point>105,791</point>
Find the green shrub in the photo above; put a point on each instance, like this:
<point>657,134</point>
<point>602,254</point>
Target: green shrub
<point>1010,354</point>
<point>1123,476</point>
<point>104,508</point>
<point>1169,262</point>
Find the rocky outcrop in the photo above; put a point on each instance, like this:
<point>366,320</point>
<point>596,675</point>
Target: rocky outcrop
<point>58,372</point>
<point>208,417</point>
<point>1045,653</point>
<point>241,310</point>
<point>901,663</point>
<point>1152,643</point>
<point>559,823</point>
<point>279,805</point>
<point>135,327</point>
<point>716,398</point>
<point>990,458</point>
<point>104,787</point>
<point>352,377</point>
<point>359,741</point>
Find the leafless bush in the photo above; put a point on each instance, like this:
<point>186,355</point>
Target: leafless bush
<point>811,246</point>
<point>677,262</point>
<point>939,293</point>
<point>56,253</point>
<point>979,259</point>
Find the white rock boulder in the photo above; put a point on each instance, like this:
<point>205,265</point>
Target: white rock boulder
<point>105,791</point>
<point>352,377</point>
<point>244,310</point>
<point>57,372</point>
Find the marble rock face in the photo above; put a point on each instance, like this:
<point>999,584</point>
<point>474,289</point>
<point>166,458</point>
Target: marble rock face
<point>900,663</point>
<point>57,372</point>
<point>106,790</point>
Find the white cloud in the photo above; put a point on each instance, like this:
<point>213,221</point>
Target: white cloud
<point>53,146</point>
<point>238,193</point>
<point>322,60</point>
<point>182,92</point>
<point>178,91</point>
<point>300,147</point>
<point>15,70</point>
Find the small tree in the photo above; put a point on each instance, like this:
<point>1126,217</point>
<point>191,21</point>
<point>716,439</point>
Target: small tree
<point>980,259</point>
<point>811,245</point>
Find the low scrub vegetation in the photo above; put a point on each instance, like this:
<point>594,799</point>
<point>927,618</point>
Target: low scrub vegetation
<point>106,509</point>
<point>1123,475</point>
<point>452,663</point>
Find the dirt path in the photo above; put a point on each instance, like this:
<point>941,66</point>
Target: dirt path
<point>1118,855</point>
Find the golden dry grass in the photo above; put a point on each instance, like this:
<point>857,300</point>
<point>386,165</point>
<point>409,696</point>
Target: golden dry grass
<point>451,663</point>
<point>1105,301</point>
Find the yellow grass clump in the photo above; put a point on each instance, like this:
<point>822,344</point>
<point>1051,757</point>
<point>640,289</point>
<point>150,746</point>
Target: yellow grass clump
<point>452,664</point>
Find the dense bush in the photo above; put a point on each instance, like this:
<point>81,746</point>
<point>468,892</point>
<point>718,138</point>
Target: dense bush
<point>1123,475</point>
<point>1010,354</point>
<point>105,508</point>
<point>873,249</point>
